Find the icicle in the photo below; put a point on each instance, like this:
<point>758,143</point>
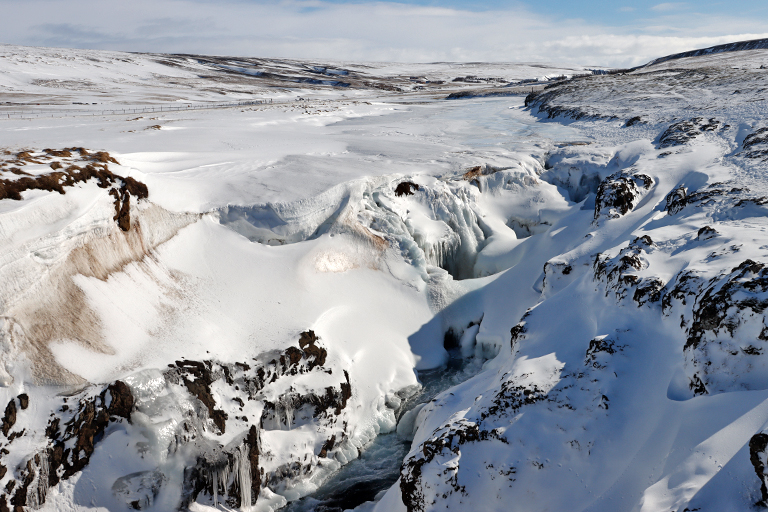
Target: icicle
<point>243,475</point>
<point>215,478</point>
<point>288,416</point>
<point>237,471</point>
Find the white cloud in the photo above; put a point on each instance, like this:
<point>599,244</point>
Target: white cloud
<point>670,6</point>
<point>357,31</point>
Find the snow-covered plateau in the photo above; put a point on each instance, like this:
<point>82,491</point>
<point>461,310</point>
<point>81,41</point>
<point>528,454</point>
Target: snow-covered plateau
<point>334,288</point>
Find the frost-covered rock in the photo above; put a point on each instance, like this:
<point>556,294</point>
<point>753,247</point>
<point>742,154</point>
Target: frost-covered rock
<point>724,345</point>
<point>683,132</point>
<point>619,193</point>
<point>620,273</point>
<point>755,145</point>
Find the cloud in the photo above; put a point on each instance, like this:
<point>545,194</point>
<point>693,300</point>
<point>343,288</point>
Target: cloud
<point>672,6</point>
<point>381,31</point>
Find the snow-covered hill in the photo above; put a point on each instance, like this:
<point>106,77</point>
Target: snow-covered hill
<point>755,44</point>
<point>222,308</point>
<point>78,79</point>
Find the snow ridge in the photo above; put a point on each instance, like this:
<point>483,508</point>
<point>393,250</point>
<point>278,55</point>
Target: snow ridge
<point>754,44</point>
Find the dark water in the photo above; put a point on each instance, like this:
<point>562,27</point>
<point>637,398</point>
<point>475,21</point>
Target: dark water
<point>378,467</point>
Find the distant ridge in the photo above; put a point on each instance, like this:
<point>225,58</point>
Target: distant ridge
<point>755,44</point>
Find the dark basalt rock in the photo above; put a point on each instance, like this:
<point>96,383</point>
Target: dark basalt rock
<point>517,333</point>
<point>648,290</point>
<point>200,387</point>
<point>597,345</point>
<point>9,418</point>
<point>253,441</point>
<point>405,188</point>
<point>752,201</point>
<point>697,386</point>
<point>448,438</point>
<point>675,200</point>
<point>329,404</point>
<point>314,353</point>
<point>758,457</point>
<point>78,425</point>
<point>294,355</point>
<point>706,233</point>
<point>719,317</point>
<point>28,474</point>
<point>96,167</point>
<point>738,291</point>
<point>716,193</point>
<point>327,446</point>
<point>287,471</point>
<point>511,397</point>
<point>320,409</point>
<point>755,144</point>
<point>121,400</point>
<point>618,273</point>
<point>550,101</point>
<point>687,284</point>
<point>71,444</point>
<point>619,193</point>
<point>683,132</point>
<point>86,427</point>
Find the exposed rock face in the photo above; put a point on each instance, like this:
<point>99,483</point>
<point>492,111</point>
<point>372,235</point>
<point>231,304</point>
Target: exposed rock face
<point>706,233</point>
<point>758,456</point>
<point>96,167</point>
<point>714,197</point>
<point>200,387</point>
<point>619,193</point>
<point>550,101</point>
<point>619,273</point>
<point>405,188</point>
<point>676,200</point>
<point>41,300</point>
<point>72,435</point>
<point>230,474</point>
<point>682,132</point>
<point>443,445</point>
<point>434,473</point>
<point>473,173</point>
<point>755,144</point>
<point>9,418</point>
<point>725,310</point>
<point>85,426</point>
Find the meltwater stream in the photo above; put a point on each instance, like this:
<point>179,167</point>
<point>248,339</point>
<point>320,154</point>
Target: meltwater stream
<point>378,467</point>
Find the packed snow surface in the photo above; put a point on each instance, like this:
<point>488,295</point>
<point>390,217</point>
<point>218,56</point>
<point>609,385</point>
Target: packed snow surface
<point>554,303</point>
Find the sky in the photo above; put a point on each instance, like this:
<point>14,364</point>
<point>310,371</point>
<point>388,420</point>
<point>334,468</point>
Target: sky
<point>585,33</point>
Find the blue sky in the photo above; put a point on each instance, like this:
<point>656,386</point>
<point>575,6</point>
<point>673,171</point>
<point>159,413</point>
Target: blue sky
<point>596,33</point>
<point>619,13</point>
